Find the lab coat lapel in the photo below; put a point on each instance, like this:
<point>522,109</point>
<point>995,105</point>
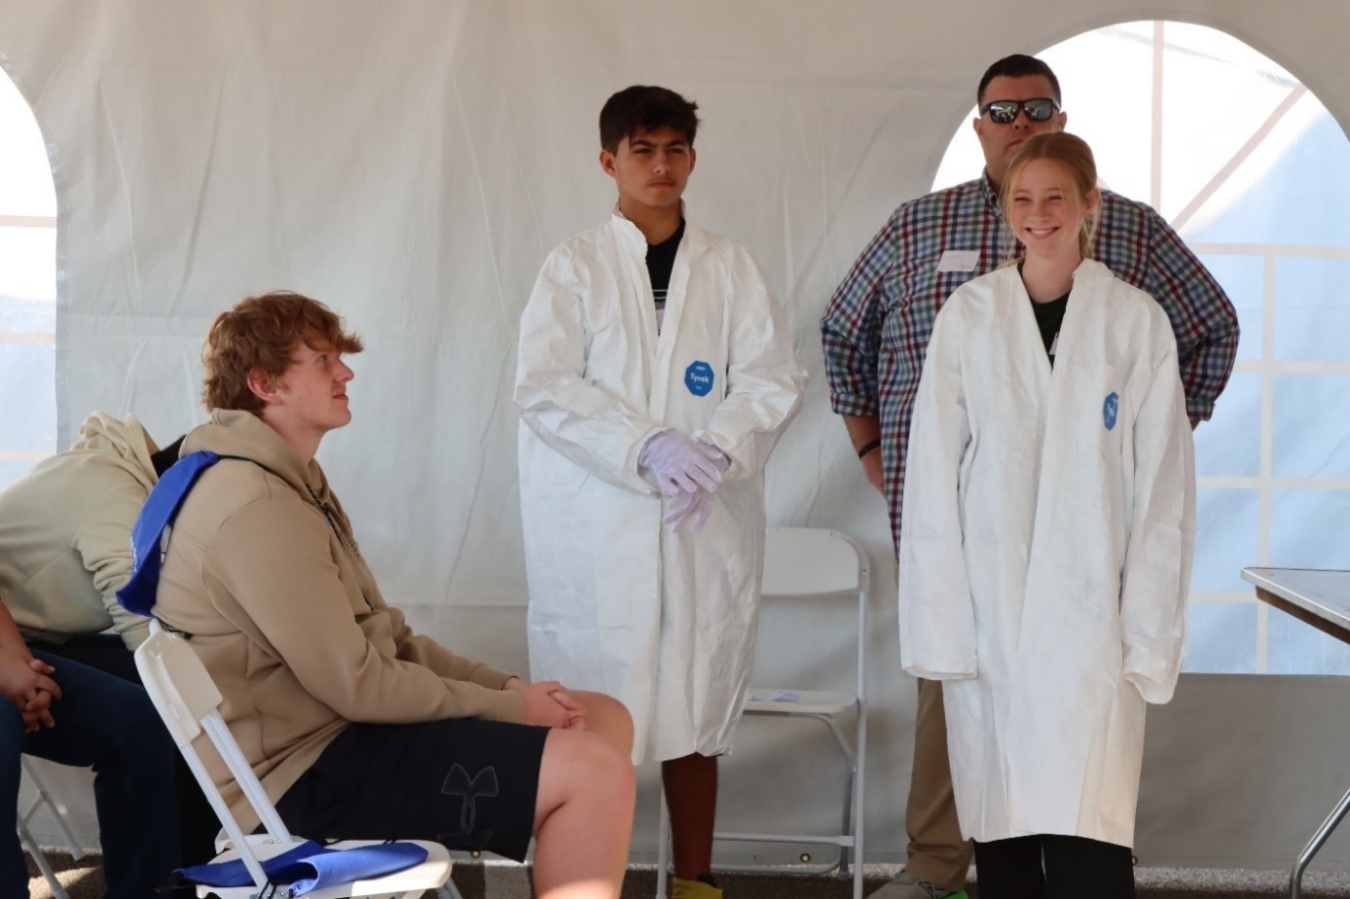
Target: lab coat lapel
<point>1034,380</point>
<point>638,300</point>
<point>1056,755</point>
<point>1054,439</point>
<point>1050,423</point>
<point>691,248</point>
<point>1058,438</point>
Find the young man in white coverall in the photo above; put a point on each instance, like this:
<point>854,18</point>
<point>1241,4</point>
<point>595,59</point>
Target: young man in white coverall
<point>655,376</point>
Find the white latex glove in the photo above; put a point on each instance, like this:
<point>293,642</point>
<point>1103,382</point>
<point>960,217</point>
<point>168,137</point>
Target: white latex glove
<point>681,465</point>
<point>689,508</point>
<point>722,459</point>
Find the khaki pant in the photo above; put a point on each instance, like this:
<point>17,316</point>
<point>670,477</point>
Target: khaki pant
<point>937,853</point>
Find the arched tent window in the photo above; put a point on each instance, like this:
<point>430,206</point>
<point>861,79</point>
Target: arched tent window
<point>1253,171</point>
<point>27,290</point>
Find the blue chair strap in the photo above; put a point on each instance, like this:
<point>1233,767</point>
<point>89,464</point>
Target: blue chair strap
<point>310,866</point>
<point>160,509</point>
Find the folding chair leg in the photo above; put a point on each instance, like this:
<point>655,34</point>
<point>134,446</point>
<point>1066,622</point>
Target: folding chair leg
<point>45,798</point>
<point>662,847</point>
<point>844,853</point>
<point>26,838</point>
<point>42,797</point>
<point>859,791</point>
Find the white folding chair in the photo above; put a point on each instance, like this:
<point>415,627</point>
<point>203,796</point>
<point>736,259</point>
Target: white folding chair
<point>824,565</point>
<point>40,798</point>
<point>189,702</point>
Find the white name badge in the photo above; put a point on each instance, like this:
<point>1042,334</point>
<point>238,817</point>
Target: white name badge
<point>959,261</point>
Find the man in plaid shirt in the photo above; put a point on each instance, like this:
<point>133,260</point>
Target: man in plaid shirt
<point>875,334</point>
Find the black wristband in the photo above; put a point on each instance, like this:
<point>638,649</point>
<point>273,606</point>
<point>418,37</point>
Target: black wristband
<point>868,447</point>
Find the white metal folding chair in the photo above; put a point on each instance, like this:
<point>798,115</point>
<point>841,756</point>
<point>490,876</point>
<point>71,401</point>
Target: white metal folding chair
<point>42,797</point>
<point>188,701</point>
<point>828,566</point>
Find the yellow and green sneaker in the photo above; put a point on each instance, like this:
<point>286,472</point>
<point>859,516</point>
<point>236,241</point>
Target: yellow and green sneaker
<point>693,889</point>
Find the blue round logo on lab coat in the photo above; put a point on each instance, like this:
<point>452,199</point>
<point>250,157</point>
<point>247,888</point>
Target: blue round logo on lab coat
<point>1109,409</point>
<point>698,377</point>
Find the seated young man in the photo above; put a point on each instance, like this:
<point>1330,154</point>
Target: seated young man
<point>76,715</point>
<point>356,726</point>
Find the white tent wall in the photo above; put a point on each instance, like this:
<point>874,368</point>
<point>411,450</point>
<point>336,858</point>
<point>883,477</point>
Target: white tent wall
<point>410,163</point>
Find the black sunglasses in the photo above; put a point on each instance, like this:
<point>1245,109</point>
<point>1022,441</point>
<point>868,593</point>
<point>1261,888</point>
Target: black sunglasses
<point>1004,112</point>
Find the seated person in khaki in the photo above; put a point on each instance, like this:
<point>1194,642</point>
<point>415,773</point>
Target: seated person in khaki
<point>356,726</point>
<point>65,542</point>
<point>65,551</point>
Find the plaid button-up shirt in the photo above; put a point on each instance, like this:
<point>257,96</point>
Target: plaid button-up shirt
<point>876,328</point>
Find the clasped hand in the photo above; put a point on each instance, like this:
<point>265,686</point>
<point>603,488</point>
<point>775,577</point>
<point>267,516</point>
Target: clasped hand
<point>28,684</point>
<point>548,704</point>
<point>682,465</point>
<point>686,470</point>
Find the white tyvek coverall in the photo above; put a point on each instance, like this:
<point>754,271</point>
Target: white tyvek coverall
<point>619,602</point>
<point>1047,534</point>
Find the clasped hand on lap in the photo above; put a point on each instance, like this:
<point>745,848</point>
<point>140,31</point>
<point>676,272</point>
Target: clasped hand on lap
<point>548,704</point>
<point>26,682</point>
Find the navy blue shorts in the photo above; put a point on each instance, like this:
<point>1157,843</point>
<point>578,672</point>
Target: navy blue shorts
<point>464,782</point>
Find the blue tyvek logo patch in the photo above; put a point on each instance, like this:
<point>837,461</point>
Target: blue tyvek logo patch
<point>698,377</point>
<point>1109,409</point>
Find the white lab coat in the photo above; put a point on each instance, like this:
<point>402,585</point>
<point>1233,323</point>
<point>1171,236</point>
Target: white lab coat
<point>619,602</point>
<point>1047,533</point>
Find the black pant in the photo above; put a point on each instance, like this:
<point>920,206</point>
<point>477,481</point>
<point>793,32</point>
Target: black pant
<point>109,654</point>
<point>1049,866</point>
<point>107,724</point>
<point>464,782</point>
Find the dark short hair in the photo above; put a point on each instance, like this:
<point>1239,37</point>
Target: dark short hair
<point>1019,65</point>
<point>645,108</point>
<point>261,333</point>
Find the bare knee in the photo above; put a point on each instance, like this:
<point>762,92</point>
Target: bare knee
<point>580,765</point>
<point>606,715</point>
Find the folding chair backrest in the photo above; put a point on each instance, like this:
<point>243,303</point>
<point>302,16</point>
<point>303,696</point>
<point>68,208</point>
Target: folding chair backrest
<point>820,564</point>
<point>812,562</point>
<point>178,682</point>
<point>823,573</point>
<point>187,699</point>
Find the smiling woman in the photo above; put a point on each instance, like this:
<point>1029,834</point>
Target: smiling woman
<point>1048,214</point>
<point>27,290</point>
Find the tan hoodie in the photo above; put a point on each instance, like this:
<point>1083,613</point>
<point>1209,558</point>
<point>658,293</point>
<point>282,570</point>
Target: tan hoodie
<point>264,576</point>
<point>65,533</point>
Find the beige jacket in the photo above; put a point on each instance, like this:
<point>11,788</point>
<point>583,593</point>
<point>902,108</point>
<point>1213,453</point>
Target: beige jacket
<point>65,533</point>
<point>264,576</point>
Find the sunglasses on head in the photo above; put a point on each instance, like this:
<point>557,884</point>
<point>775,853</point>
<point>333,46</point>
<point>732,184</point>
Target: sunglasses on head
<point>1004,112</point>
